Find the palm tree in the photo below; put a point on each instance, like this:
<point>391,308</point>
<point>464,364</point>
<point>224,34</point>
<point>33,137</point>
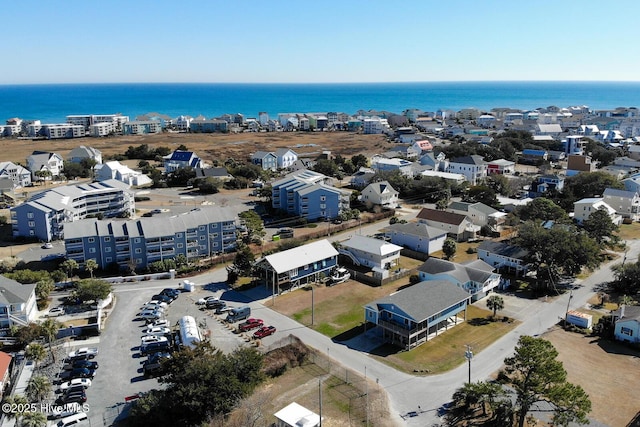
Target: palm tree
<point>38,388</point>
<point>34,419</point>
<point>35,352</point>
<point>50,329</point>
<point>91,265</point>
<point>495,303</point>
<point>69,265</point>
<point>18,400</point>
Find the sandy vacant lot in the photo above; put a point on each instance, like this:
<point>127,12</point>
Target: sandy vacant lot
<point>609,373</point>
<point>210,146</point>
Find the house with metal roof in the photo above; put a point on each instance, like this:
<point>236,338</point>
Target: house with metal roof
<point>416,236</point>
<point>501,167</point>
<point>583,208</point>
<point>297,266</point>
<point>83,152</point>
<point>295,415</point>
<point>479,213</point>
<point>626,203</point>
<point>414,315</point>
<point>265,159</point>
<point>473,167</point>
<point>17,303</point>
<point>45,161</point>
<point>181,159</point>
<point>201,232</point>
<point>285,157</point>
<point>457,226</point>
<point>19,176</point>
<point>377,254</point>
<point>476,278</point>
<point>116,170</point>
<point>380,194</point>
<point>504,257</point>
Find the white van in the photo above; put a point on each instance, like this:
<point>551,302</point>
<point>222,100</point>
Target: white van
<point>72,420</point>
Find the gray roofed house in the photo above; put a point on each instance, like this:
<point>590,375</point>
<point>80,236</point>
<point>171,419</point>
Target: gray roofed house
<point>503,256</point>
<point>625,203</point>
<point>83,152</point>
<point>418,313</point>
<point>380,194</point>
<point>417,236</point>
<point>479,213</point>
<point>17,303</point>
<point>477,280</point>
<point>298,265</point>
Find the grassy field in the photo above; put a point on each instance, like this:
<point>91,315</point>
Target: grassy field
<point>446,351</point>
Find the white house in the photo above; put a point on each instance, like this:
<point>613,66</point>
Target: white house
<point>380,194</point>
<point>182,159</point>
<point>627,326</point>
<point>285,157</point>
<point>625,203</point>
<point>417,237</point>
<point>83,152</point>
<point>122,173</point>
<point>376,254</point>
<point>45,161</point>
<point>20,176</point>
<point>583,208</point>
<point>473,167</point>
<point>17,303</point>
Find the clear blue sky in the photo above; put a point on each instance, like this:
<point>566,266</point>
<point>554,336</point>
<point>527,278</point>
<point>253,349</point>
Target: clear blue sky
<point>75,41</point>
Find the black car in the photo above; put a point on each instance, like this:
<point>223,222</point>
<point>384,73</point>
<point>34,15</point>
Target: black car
<point>154,347</point>
<point>162,298</point>
<point>73,390</point>
<point>81,373</point>
<point>153,365</point>
<point>170,292</point>
<point>77,397</point>
<point>84,364</point>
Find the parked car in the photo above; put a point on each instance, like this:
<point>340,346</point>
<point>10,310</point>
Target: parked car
<point>66,410</point>
<point>150,315</point>
<point>153,365</point>
<point>161,322</point>
<point>173,293</point>
<point>153,304</point>
<point>47,245</point>
<point>90,352</point>
<point>264,331</point>
<point>156,330</point>
<point>84,382</point>
<point>285,233</point>
<point>162,298</point>
<point>154,347</point>
<point>238,313</point>
<point>88,364</point>
<point>148,339</point>
<point>56,311</point>
<point>73,390</point>
<point>203,301</point>
<point>77,397</point>
<point>81,373</point>
<point>215,304</point>
<point>250,324</point>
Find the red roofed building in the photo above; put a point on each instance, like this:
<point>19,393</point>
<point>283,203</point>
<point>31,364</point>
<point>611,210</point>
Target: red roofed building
<point>5,369</point>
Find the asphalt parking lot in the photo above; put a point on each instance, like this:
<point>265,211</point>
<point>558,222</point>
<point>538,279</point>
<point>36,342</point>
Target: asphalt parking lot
<point>120,375</point>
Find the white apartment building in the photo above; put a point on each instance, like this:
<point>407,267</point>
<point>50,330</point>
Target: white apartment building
<point>102,129</point>
<point>375,125</point>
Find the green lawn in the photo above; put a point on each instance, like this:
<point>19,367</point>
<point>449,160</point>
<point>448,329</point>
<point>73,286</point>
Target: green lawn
<point>447,350</point>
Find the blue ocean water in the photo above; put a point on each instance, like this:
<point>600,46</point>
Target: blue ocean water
<point>52,103</point>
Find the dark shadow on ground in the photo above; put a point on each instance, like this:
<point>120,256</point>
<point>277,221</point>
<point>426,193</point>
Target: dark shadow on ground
<point>614,347</point>
<point>385,350</point>
<point>351,333</point>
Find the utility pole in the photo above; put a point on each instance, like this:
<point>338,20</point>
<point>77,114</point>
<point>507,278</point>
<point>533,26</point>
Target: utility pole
<point>366,384</point>
<point>320,396</point>
<point>566,313</point>
<point>469,355</point>
<point>312,314</point>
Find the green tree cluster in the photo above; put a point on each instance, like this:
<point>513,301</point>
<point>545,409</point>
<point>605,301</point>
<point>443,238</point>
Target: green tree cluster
<point>93,290</point>
<point>143,151</point>
<point>202,383</point>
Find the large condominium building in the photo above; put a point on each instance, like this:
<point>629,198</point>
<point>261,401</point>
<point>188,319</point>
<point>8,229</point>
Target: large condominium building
<point>307,194</point>
<point>45,214</point>
<point>141,127</point>
<point>201,232</point>
<point>87,120</point>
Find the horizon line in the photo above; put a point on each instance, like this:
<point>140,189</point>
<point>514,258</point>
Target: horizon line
<point>316,83</point>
